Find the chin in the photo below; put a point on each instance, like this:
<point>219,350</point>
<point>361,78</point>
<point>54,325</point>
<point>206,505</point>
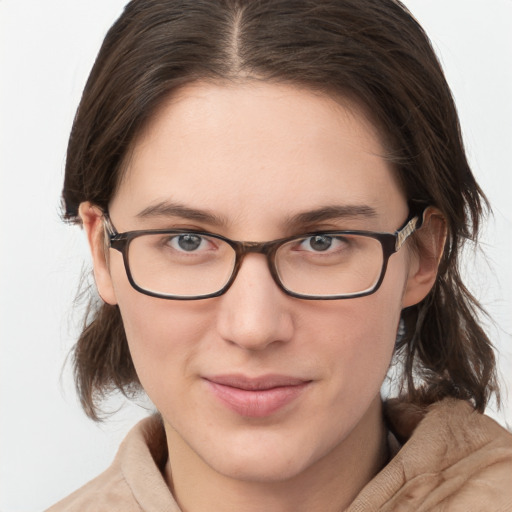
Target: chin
<point>269,456</point>
<point>263,469</point>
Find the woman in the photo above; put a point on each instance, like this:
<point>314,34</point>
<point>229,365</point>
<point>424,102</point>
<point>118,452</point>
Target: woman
<point>275,195</point>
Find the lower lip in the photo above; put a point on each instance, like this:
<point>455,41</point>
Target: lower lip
<point>256,403</point>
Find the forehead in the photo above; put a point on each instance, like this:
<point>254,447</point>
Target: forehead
<point>257,150</point>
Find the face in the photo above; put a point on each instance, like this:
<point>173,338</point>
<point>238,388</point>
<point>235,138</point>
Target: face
<point>247,161</point>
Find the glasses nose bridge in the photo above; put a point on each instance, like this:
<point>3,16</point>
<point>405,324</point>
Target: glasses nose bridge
<point>242,249</point>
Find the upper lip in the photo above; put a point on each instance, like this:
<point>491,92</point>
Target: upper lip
<point>256,383</point>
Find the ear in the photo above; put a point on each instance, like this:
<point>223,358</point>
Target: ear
<point>92,220</point>
<point>425,257</point>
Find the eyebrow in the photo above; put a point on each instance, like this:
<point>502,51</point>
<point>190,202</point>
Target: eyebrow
<point>331,213</point>
<point>170,209</point>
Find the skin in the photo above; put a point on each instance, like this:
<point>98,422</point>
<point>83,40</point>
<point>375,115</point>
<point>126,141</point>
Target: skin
<point>253,156</point>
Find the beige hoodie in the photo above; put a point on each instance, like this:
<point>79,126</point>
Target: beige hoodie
<point>454,460</point>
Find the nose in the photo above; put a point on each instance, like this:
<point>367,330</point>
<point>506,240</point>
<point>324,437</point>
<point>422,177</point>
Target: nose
<point>254,312</point>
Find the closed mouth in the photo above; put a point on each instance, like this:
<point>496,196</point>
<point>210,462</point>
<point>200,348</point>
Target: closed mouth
<point>256,396</point>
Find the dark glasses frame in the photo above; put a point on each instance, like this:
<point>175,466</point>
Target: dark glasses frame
<point>390,243</point>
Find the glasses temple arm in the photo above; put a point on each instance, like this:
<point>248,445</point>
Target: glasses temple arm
<point>109,227</point>
<point>415,223</point>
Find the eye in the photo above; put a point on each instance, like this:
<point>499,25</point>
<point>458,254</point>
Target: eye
<point>321,243</point>
<point>188,242</point>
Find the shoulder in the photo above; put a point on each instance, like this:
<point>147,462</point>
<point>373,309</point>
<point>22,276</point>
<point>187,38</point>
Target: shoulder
<point>453,458</point>
<point>134,481</point>
<point>108,491</point>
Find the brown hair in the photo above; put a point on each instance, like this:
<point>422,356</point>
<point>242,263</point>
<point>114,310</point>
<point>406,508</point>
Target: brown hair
<point>372,50</point>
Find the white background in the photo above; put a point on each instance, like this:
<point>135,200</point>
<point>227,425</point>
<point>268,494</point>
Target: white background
<point>48,448</point>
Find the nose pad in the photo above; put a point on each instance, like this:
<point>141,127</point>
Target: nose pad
<point>254,312</point>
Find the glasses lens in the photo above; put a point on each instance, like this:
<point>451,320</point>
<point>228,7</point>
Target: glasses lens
<point>328,264</point>
<point>180,264</point>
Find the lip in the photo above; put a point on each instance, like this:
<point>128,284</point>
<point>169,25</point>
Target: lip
<point>256,397</point>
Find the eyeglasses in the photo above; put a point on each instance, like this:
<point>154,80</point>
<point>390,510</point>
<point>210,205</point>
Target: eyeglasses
<point>190,265</point>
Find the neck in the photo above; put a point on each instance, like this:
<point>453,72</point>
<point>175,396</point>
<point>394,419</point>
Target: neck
<point>329,484</point>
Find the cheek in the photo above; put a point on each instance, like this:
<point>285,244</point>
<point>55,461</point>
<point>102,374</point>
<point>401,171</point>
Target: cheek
<point>163,335</point>
<point>373,335</point>
<point>166,339</point>
<point>359,335</point>
<point>361,340</point>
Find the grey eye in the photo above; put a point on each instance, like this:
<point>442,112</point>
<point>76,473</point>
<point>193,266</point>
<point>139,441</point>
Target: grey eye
<point>320,242</point>
<point>189,242</point>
